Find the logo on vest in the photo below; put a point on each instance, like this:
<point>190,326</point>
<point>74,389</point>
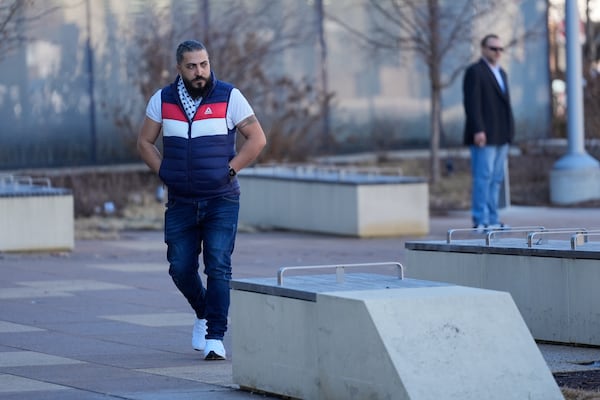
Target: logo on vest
<point>208,111</point>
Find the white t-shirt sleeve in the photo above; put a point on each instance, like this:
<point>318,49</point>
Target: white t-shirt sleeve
<point>154,107</point>
<point>238,110</point>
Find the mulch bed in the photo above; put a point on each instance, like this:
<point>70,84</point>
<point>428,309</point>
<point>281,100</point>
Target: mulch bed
<point>584,380</point>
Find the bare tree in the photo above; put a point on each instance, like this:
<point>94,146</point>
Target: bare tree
<point>14,16</point>
<point>244,51</point>
<point>11,14</point>
<point>441,34</point>
<point>592,38</point>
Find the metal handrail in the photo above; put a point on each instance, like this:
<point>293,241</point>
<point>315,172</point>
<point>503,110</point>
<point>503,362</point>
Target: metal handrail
<point>16,180</point>
<point>582,238</point>
<point>24,180</point>
<point>42,180</point>
<point>6,179</point>
<point>339,269</point>
<point>450,232</point>
<point>490,235</point>
<point>549,232</point>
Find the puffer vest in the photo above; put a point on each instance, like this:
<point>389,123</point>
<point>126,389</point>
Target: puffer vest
<point>196,153</point>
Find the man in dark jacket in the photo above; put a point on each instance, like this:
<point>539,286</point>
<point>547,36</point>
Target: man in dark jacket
<point>199,116</point>
<point>489,131</point>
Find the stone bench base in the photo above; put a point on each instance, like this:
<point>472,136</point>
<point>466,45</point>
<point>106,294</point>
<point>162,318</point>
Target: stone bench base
<point>555,289</point>
<point>37,223</point>
<point>367,207</point>
<point>379,337</point>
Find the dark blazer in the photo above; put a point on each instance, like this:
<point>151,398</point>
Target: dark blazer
<point>487,107</point>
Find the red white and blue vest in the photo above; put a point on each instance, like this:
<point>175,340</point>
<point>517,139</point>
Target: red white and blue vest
<point>196,153</point>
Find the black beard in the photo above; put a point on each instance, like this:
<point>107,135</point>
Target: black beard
<point>201,92</point>
<point>195,93</point>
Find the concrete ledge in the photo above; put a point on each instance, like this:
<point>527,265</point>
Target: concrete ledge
<point>555,290</point>
<point>335,203</point>
<point>421,341</point>
<point>36,223</point>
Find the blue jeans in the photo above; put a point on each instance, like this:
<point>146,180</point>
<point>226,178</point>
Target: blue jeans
<point>208,227</point>
<point>487,169</point>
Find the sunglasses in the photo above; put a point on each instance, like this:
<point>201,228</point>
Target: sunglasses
<point>500,49</point>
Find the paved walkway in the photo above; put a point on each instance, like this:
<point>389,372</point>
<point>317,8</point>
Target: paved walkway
<point>105,321</point>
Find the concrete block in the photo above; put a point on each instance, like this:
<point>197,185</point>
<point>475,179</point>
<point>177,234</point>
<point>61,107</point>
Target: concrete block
<point>557,296</point>
<point>351,205</point>
<point>36,223</point>
<point>428,342</point>
<point>278,346</point>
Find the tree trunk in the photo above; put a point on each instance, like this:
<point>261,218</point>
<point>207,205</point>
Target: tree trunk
<point>590,35</point>
<point>436,123</point>
<point>434,64</point>
<point>327,141</point>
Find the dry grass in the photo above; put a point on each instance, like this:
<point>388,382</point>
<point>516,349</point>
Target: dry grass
<point>576,394</point>
<point>141,212</point>
<point>529,178</point>
<point>133,191</point>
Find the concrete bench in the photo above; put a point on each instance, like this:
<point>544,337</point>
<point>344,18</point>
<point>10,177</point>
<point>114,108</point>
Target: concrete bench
<point>334,201</point>
<point>375,336</point>
<point>34,216</point>
<point>552,275</point>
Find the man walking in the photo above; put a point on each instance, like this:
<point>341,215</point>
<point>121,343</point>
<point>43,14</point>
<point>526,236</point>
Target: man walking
<point>199,116</point>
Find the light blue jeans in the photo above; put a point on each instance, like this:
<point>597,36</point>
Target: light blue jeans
<point>208,227</point>
<point>487,171</point>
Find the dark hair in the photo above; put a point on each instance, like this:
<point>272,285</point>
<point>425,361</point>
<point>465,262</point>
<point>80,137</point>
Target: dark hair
<point>488,36</point>
<point>188,45</point>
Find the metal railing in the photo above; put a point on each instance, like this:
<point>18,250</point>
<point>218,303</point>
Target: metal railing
<point>490,233</point>
<point>339,269</point>
<point>12,181</point>
<point>542,237</point>
<point>534,235</point>
<point>580,238</point>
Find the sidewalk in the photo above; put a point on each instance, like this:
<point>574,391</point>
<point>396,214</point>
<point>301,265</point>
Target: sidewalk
<point>105,321</point>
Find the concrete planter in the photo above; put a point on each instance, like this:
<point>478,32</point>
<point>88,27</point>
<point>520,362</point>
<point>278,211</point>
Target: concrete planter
<point>554,287</point>
<point>380,337</point>
<point>35,217</point>
<point>334,202</point>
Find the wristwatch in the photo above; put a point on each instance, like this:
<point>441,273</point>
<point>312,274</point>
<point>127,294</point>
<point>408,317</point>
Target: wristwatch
<point>232,172</point>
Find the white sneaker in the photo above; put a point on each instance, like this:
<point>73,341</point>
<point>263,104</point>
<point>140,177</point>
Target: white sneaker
<point>498,226</point>
<point>214,350</point>
<point>198,334</point>
<point>479,228</point>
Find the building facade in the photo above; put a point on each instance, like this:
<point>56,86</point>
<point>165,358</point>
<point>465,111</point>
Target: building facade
<point>73,91</point>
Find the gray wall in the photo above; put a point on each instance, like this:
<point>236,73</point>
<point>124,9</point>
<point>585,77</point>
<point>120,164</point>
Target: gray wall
<point>49,117</point>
